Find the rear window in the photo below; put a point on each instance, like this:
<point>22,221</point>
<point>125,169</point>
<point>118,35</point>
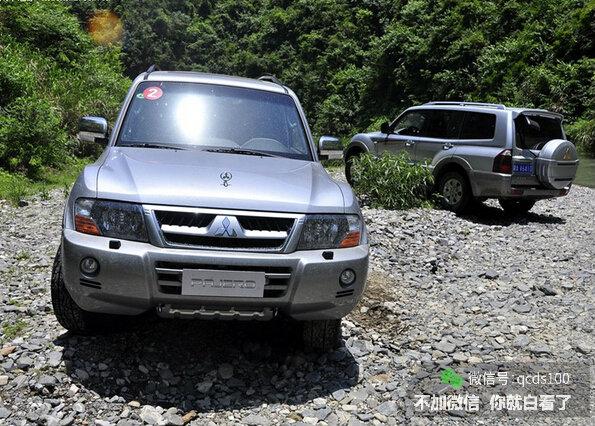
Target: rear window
<point>478,125</point>
<point>534,131</point>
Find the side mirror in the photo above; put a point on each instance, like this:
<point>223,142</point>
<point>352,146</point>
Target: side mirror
<point>329,143</point>
<point>93,129</point>
<point>330,148</point>
<point>385,128</point>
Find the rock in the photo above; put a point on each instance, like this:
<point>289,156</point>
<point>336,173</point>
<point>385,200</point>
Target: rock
<point>566,285</point>
<point>459,357</point>
<point>78,407</point>
<point>522,308</point>
<point>150,415</point>
<point>445,346</point>
<point>225,371</point>
<point>72,390</point>
<point>547,289</point>
<point>47,381</point>
<point>189,416</point>
<point>24,362</point>
<point>539,349</point>
<point>4,412</point>
<point>3,380</point>
<point>255,420</point>
<point>520,341</point>
<point>387,408</point>
<point>491,274</point>
<point>81,374</point>
<point>173,419</point>
<point>204,387</point>
<point>7,350</point>
<point>54,358</point>
<point>339,394</point>
<point>581,347</point>
<point>23,203</point>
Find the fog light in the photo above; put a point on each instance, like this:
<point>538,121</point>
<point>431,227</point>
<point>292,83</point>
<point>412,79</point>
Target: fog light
<point>89,266</point>
<point>347,277</point>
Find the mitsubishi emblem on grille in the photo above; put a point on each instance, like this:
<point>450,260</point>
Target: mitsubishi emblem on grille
<point>227,229</point>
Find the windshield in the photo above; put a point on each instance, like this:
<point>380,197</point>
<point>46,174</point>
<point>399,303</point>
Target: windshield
<point>222,118</point>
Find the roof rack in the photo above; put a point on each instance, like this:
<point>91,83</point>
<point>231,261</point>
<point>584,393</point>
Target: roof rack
<point>150,70</point>
<point>271,78</point>
<point>461,103</point>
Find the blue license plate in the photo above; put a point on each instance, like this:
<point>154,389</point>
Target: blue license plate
<point>523,168</point>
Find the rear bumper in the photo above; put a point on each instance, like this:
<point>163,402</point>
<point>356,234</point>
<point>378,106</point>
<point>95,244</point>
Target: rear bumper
<point>127,282</point>
<point>498,185</point>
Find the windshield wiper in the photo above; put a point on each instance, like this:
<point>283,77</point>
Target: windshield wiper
<point>240,151</point>
<point>152,145</point>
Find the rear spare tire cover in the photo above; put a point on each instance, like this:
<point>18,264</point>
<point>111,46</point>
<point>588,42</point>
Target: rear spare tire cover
<point>557,163</point>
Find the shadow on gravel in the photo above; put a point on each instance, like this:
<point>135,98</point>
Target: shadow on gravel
<point>488,215</point>
<point>205,365</point>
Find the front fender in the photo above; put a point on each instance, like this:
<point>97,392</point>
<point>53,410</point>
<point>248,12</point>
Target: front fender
<point>361,142</point>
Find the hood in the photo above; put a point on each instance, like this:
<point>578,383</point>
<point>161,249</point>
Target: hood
<point>217,180</point>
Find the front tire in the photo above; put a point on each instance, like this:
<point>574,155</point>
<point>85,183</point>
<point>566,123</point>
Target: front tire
<point>455,192</point>
<point>516,207</point>
<point>321,335</point>
<point>67,312</point>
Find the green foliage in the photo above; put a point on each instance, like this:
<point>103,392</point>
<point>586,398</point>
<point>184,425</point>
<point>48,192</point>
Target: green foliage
<point>392,181</point>
<point>582,133</point>
<point>14,186</point>
<point>51,73</point>
<point>352,61</point>
<point>11,330</point>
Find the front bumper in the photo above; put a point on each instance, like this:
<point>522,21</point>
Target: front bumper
<point>499,185</point>
<point>128,284</point>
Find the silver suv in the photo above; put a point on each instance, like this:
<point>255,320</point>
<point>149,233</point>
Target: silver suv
<point>209,202</point>
<point>479,151</point>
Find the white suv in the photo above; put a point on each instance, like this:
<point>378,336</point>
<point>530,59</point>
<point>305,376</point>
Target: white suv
<point>479,151</point>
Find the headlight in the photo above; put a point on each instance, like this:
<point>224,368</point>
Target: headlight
<point>330,231</point>
<point>110,219</point>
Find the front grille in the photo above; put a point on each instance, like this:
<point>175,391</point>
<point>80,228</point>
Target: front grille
<point>224,243</point>
<point>169,276</point>
<point>207,230</point>
<point>257,223</point>
<point>183,218</point>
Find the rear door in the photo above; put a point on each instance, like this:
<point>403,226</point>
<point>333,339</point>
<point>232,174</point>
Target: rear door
<point>444,127</point>
<point>409,128</point>
<point>532,132</point>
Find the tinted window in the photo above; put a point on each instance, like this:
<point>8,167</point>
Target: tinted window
<point>532,131</point>
<point>413,123</point>
<point>445,124</point>
<point>212,116</point>
<point>478,125</point>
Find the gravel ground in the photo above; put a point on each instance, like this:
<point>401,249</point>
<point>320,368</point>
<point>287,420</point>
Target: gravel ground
<point>443,291</point>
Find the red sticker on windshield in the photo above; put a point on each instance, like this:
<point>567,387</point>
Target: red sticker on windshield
<point>152,93</point>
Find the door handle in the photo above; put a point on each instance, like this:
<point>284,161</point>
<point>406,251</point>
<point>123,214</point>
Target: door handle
<point>409,143</point>
<point>447,145</point>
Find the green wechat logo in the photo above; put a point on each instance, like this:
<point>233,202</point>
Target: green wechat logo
<point>449,377</point>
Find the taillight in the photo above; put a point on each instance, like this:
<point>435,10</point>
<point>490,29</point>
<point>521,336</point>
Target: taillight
<point>503,162</point>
